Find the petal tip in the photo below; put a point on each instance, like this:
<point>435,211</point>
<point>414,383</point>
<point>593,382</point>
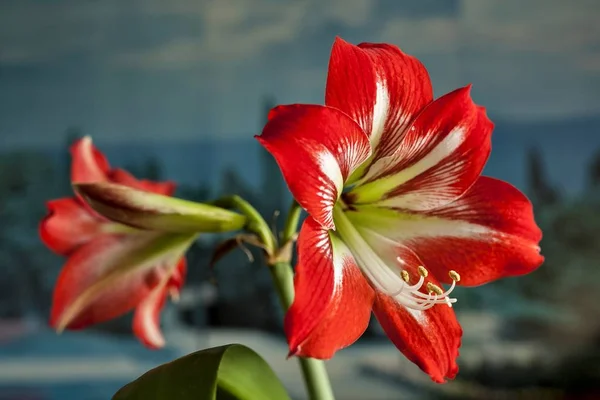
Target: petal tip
<point>275,111</point>
<point>339,40</point>
<point>58,323</point>
<point>292,353</point>
<point>341,45</point>
<point>156,344</point>
<point>82,142</point>
<point>463,92</point>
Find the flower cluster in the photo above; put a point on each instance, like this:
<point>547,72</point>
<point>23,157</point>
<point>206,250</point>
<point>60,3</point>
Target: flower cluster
<point>97,284</point>
<point>397,208</point>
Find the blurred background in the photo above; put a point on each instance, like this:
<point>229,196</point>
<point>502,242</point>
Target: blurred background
<point>176,90</point>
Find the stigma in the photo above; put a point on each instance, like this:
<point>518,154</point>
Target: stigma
<point>412,297</point>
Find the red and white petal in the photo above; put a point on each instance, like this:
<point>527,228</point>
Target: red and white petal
<point>68,225</point>
<point>146,320</point>
<point>317,148</point>
<point>421,325</point>
<point>487,234</point>
<point>429,338</point>
<point>125,178</point>
<point>106,278</point>
<point>440,157</point>
<point>333,300</point>
<point>380,87</point>
<point>494,235</point>
<point>88,164</point>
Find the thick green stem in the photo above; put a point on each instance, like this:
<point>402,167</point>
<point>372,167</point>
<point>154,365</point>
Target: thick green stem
<point>314,372</point>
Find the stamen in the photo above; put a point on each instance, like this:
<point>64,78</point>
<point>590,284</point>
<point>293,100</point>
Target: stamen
<point>454,275</point>
<point>411,297</point>
<point>405,276</point>
<point>386,278</point>
<point>392,280</point>
<point>435,289</point>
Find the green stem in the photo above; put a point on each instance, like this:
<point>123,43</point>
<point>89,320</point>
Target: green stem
<point>314,372</point>
<point>256,222</point>
<point>291,223</point>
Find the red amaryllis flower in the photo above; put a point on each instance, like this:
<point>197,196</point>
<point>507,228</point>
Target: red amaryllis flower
<point>111,268</point>
<point>391,181</point>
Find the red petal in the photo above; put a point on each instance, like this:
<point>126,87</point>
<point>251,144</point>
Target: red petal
<point>380,87</point>
<point>125,178</point>
<point>502,240</point>
<point>89,164</point>
<point>333,301</point>
<point>68,225</point>
<point>146,321</point>
<point>428,338</point>
<point>316,148</point>
<point>92,263</point>
<point>441,156</point>
<point>178,278</point>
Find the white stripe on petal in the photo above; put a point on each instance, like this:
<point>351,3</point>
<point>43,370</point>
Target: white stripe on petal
<point>419,315</point>
<point>380,112</point>
<point>147,315</point>
<point>444,149</point>
<point>331,169</point>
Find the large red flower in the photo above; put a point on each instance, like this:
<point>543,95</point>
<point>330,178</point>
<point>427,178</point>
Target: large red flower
<point>99,281</point>
<point>391,181</point>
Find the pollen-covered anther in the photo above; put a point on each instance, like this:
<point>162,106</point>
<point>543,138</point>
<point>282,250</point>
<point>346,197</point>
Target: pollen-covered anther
<point>414,296</point>
<point>454,276</point>
<point>405,276</point>
<point>432,288</point>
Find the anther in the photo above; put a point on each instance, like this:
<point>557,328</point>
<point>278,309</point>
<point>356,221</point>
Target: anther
<point>435,289</point>
<point>405,276</point>
<point>413,296</point>
<point>454,275</point>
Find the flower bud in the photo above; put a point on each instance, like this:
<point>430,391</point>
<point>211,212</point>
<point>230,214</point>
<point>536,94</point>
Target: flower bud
<point>146,210</point>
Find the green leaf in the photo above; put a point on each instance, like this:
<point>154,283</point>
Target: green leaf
<point>223,373</point>
<point>152,211</point>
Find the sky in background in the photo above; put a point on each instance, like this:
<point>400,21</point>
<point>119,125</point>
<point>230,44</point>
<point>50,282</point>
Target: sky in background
<point>185,69</point>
